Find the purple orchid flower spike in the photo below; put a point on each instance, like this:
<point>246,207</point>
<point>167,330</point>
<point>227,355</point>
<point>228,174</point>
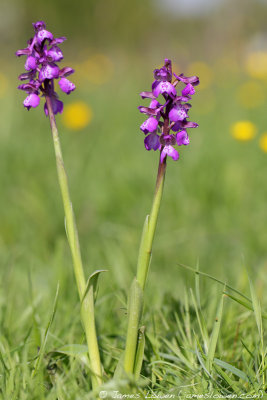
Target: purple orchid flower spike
<point>165,127</point>
<point>167,123</point>
<point>41,65</point>
<point>42,55</point>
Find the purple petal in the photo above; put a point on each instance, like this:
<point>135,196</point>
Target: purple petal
<point>147,95</point>
<point>164,73</point>
<point>58,40</point>
<point>33,100</point>
<point>39,25</point>
<point>187,106</point>
<point>26,75</point>
<point>182,98</point>
<point>182,138</point>
<point>194,80</point>
<point>23,52</point>
<point>154,104</point>
<point>57,106</point>
<point>30,87</point>
<point>149,125</point>
<point>147,110</point>
<point>188,90</point>
<point>55,54</point>
<point>179,125</point>
<point>164,88</point>
<point>66,71</point>
<point>167,140</point>
<point>44,35</point>
<point>152,142</point>
<point>169,151</point>
<point>189,124</point>
<point>49,71</point>
<point>31,63</point>
<point>66,85</point>
<point>177,113</point>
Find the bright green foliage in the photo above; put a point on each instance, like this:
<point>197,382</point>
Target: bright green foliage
<point>214,211</point>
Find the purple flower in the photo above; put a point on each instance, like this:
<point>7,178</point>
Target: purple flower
<point>178,113</point>
<point>171,115</point>
<point>33,100</point>
<point>193,80</point>
<point>150,125</point>
<point>31,63</point>
<point>66,85</point>
<point>48,71</point>
<point>169,151</point>
<point>57,105</point>
<point>152,142</point>
<point>188,90</point>
<point>42,55</point>
<point>163,87</point>
<point>55,54</point>
<point>182,138</point>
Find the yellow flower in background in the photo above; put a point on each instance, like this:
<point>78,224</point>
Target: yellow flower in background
<point>203,71</point>
<point>3,85</point>
<point>77,115</point>
<point>243,130</point>
<point>256,64</point>
<point>263,142</point>
<point>251,94</point>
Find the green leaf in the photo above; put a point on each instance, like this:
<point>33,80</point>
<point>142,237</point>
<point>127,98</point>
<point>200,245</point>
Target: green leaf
<point>139,352</point>
<point>256,307</point>
<point>79,351</point>
<point>231,383</point>
<point>243,303</point>
<point>93,282</point>
<point>231,369</point>
<point>119,371</point>
<point>135,308</point>
<point>176,350</point>
<point>201,321</point>
<point>72,349</point>
<point>43,345</point>
<point>215,334</point>
<point>197,271</point>
<point>201,361</point>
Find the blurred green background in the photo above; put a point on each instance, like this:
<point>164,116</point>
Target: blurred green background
<point>214,205</point>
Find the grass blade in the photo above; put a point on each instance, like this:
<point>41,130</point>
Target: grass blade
<point>92,281</point>
<point>43,344</point>
<point>139,353</point>
<point>231,369</point>
<point>197,271</point>
<point>215,335</point>
<point>258,318</point>
<point>256,307</point>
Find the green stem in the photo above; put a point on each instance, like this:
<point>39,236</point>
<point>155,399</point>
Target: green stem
<point>135,306</point>
<point>87,305</point>
<point>145,249</point>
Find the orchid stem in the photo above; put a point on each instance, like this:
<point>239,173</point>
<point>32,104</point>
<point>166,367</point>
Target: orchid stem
<point>145,249</point>
<point>87,303</point>
<point>135,304</point>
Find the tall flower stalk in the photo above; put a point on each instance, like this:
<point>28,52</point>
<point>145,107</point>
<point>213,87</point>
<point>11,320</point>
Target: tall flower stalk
<point>165,127</point>
<point>42,54</point>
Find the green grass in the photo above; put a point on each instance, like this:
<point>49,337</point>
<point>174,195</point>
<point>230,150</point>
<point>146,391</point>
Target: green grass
<point>201,336</point>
